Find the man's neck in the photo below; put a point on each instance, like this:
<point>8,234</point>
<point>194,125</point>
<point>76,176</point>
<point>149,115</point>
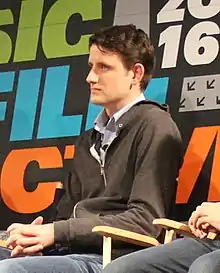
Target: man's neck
<point>113,108</point>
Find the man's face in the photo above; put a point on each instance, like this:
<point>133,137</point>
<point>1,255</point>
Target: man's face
<point>108,78</point>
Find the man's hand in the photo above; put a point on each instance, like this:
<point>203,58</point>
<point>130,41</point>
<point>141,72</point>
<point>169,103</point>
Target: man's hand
<point>205,218</point>
<point>37,221</point>
<point>30,239</point>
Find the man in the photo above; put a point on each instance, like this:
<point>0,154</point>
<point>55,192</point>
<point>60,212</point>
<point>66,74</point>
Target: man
<point>124,170</point>
<point>199,255</point>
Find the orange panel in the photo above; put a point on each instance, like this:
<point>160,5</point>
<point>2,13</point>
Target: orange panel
<point>196,154</point>
<point>12,185</point>
<point>69,151</point>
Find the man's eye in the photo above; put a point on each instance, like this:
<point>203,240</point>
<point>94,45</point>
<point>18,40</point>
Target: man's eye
<point>104,67</point>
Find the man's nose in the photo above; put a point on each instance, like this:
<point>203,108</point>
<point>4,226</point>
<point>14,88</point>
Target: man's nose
<point>92,77</point>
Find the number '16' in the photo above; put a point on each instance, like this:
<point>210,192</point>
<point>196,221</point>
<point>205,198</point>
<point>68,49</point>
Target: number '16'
<point>200,47</point>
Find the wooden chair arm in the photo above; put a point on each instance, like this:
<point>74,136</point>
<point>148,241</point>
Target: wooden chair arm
<point>3,243</point>
<point>178,227</point>
<point>110,233</point>
<point>126,236</point>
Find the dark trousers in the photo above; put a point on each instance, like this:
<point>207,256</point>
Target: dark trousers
<point>180,256</point>
<point>72,263</point>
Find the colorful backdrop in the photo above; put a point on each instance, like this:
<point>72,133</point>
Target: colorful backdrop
<point>44,98</point>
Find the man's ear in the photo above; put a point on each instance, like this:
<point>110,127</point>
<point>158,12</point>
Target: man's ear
<point>138,73</point>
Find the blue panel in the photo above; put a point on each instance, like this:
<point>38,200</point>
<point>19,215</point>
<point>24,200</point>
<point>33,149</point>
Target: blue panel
<point>6,85</point>
<point>26,104</point>
<point>52,122</point>
<point>93,111</point>
<point>157,90</point>
<point>6,81</point>
<point>3,105</point>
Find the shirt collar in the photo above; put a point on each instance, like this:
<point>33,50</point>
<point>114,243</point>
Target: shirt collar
<point>118,114</point>
<point>101,121</point>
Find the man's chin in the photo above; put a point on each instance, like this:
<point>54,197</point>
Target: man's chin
<point>97,101</point>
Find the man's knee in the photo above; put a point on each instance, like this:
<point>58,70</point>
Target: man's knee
<point>209,263</point>
<point>9,265</point>
<point>172,257</point>
<point>141,261</point>
<point>126,264</point>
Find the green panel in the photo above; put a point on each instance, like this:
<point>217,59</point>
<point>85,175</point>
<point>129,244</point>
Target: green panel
<point>6,18</point>
<point>28,30</point>
<point>27,39</point>
<point>61,11</point>
<point>31,13</point>
<point>54,31</point>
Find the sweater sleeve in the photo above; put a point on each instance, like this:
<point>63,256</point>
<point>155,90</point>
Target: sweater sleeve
<point>158,159</point>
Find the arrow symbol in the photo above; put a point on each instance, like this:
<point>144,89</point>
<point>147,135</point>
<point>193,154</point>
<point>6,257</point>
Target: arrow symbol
<point>199,101</point>
<point>190,86</point>
<point>182,103</point>
<point>217,100</point>
<point>209,85</point>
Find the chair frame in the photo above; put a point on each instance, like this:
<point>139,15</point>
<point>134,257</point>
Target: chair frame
<point>172,228</point>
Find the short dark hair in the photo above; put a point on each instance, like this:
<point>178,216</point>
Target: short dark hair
<point>132,44</point>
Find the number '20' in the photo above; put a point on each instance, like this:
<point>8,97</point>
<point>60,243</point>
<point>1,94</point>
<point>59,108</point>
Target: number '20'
<point>200,47</point>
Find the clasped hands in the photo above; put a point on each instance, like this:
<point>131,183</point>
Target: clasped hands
<point>205,219</point>
<point>30,239</point>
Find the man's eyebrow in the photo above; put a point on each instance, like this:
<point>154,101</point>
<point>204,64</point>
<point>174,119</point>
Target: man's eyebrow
<point>90,64</point>
<point>104,63</point>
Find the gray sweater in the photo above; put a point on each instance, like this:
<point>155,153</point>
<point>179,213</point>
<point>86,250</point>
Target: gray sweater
<point>141,167</point>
